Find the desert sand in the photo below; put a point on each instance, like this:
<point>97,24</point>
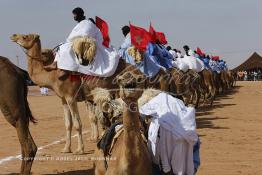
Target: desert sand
<point>230,133</point>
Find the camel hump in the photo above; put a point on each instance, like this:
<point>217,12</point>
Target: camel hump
<point>135,53</point>
<point>85,48</point>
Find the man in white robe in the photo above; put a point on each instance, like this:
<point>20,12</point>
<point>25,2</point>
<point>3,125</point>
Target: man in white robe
<point>173,150</point>
<point>172,52</point>
<point>127,42</point>
<point>105,61</point>
<point>194,63</point>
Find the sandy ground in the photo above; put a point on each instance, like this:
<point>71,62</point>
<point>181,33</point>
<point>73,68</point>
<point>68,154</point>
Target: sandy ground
<point>230,132</point>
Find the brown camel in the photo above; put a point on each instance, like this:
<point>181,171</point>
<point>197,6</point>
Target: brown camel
<point>226,79</point>
<point>67,89</point>
<point>194,87</point>
<point>209,84</point>
<point>218,83</point>
<point>15,108</point>
<point>185,85</point>
<point>129,154</point>
<point>221,85</point>
<point>231,78</point>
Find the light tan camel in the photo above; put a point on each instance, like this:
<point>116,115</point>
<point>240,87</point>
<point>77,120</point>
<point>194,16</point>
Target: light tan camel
<point>129,154</point>
<point>100,112</point>
<point>66,90</point>
<point>14,106</point>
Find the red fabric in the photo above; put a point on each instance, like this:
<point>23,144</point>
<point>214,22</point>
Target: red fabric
<point>102,25</point>
<point>139,37</point>
<point>74,77</point>
<point>161,38</point>
<point>152,33</point>
<point>199,52</point>
<point>215,58</point>
<point>78,77</point>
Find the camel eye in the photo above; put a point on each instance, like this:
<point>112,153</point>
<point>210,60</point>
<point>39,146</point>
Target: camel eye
<point>24,37</point>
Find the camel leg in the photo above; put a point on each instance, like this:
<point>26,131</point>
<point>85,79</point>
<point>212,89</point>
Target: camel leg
<point>99,166</point>
<point>28,145</point>
<point>213,94</point>
<point>164,84</point>
<point>191,97</point>
<point>68,126</point>
<point>93,122</point>
<point>77,125</point>
<point>197,98</point>
<point>95,131</point>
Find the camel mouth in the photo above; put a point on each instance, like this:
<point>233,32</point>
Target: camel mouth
<point>13,37</point>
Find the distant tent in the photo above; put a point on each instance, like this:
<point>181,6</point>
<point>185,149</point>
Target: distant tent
<point>253,62</point>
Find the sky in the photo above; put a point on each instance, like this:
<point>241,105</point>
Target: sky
<point>231,29</point>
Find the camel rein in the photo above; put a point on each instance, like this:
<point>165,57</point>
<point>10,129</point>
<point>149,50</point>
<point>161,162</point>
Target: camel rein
<point>35,58</point>
<point>78,90</point>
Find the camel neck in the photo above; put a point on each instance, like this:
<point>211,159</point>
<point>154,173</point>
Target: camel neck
<point>131,120</point>
<point>35,66</point>
<point>133,145</point>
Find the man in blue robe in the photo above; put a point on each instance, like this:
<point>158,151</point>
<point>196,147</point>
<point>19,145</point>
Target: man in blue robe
<point>148,65</point>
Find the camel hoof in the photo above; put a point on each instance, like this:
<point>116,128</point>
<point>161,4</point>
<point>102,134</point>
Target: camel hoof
<point>66,150</point>
<point>79,152</point>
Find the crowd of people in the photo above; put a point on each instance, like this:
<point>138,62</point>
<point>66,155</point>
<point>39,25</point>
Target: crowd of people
<point>249,75</point>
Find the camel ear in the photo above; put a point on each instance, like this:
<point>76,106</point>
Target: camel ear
<point>36,36</point>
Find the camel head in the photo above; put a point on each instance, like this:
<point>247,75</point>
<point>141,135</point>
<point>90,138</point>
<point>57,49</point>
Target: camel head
<point>131,86</point>
<point>26,41</point>
<point>103,110</point>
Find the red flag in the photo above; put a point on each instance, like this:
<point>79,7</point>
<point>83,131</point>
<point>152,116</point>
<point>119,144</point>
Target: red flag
<point>199,52</point>
<point>102,25</point>
<point>139,37</point>
<point>161,38</point>
<point>152,33</point>
<point>215,58</point>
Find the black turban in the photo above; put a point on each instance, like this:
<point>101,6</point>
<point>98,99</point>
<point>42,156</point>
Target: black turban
<point>78,11</point>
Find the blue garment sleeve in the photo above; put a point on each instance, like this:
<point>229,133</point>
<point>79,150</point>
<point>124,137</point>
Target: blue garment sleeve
<point>196,155</point>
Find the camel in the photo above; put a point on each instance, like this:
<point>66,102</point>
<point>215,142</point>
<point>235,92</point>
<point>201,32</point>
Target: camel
<point>186,85</point>
<point>15,108</point>
<point>231,78</point>
<point>67,89</point>
<point>130,153</point>
<point>226,79</point>
<point>193,89</point>
<point>220,83</point>
<point>209,83</point>
<point>100,112</point>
